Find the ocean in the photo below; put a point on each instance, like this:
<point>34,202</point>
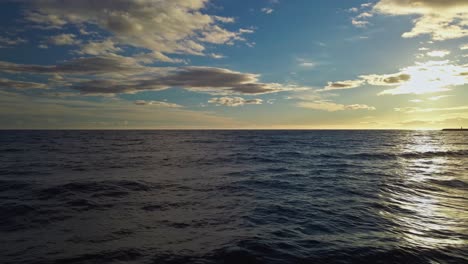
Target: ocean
<point>237,196</point>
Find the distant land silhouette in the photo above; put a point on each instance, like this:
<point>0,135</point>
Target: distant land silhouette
<point>455,129</point>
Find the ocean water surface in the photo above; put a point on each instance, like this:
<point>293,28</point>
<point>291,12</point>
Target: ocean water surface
<point>233,197</point>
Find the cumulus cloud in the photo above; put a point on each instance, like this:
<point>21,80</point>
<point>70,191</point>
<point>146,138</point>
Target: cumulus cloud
<point>441,19</point>
<point>332,106</point>
<point>165,26</point>
<point>12,84</point>
<point>234,101</point>
<point>157,104</point>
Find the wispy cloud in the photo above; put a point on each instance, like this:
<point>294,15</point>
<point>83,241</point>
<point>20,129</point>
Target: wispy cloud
<point>267,10</point>
<point>6,42</point>
<point>157,104</point>
<point>234,101</point>
<point>332,106</point>
<point>425,110</point>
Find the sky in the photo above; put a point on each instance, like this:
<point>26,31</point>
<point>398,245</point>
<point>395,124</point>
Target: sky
<point>224,64</point>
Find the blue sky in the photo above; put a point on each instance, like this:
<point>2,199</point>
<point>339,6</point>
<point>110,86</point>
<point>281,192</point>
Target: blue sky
<point>234,64</point>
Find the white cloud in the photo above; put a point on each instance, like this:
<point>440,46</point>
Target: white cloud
<point>267,10</point>
<point>306,63</point>
<point>332,106</point>
<point>359,23</point>
<point>234,101</point>
<point>438,53</point>
<point>441,19</point>
<point>436,98</point>
<point>217,56</point>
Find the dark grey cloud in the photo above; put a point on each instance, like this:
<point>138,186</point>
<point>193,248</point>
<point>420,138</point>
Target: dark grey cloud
<point>112,74</point>
<point>88,65</point>
<point>397,79</point>
<point>349,84</point>
<point>200,79</point>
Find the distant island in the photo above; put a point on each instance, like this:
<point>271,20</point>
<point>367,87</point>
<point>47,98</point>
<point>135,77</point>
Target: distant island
<point>455,129</point>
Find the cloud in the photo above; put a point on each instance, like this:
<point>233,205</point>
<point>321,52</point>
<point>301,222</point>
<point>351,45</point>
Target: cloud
<point>20,111</point>
<point>267,10</point>
<point>111,74</point>
<point>8,42</point>
<point>359,23</point>
<point>12,84</point>
<point>157,104</point>
<point>349,84</point>
<point>95,48</point>
<point>441,19</point>
<point>234,101</point>
<point>386,79</point>
<point>217,56</point>
<point>333,107</point>
<point>430,77</point>
<point>63,39</point>
<point>306,63</point>
<point>165,26</point>
<point>436,98</point>
<point>360,20</point>
<point>438,53</point>
<point>86,65</point>
<point>425,110</point>
<point>422,78</point>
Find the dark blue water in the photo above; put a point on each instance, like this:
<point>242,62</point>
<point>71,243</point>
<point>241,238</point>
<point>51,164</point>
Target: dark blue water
<point>233,197</point>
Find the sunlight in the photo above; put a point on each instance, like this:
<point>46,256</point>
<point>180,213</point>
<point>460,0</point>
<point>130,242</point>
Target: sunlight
<point>428,216</point>
<point>431,77</point>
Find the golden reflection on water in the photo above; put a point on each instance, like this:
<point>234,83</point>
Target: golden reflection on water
<point>428,215</point>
